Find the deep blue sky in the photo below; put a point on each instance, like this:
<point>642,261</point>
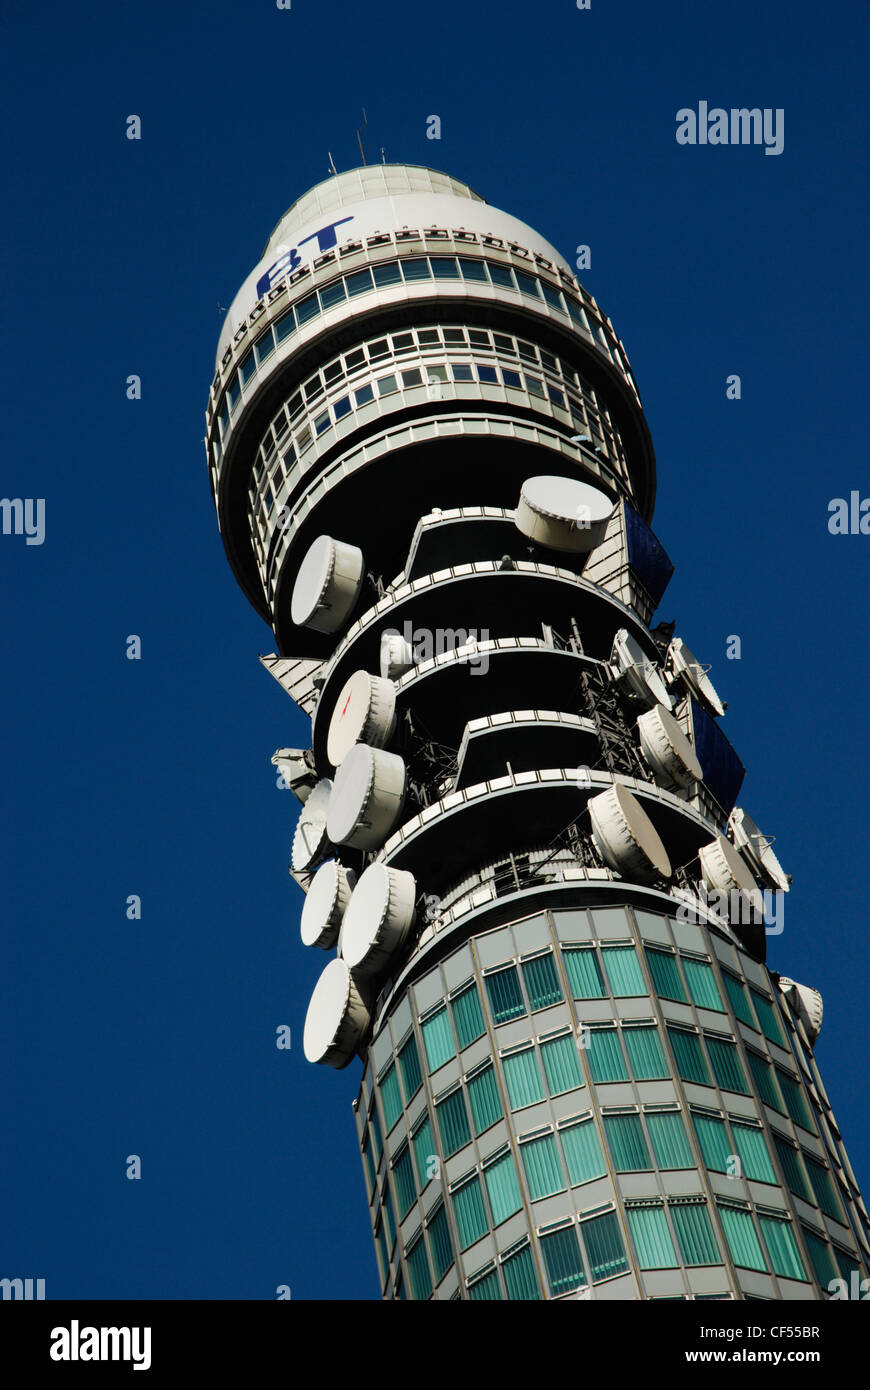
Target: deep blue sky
<point>156,1037</point>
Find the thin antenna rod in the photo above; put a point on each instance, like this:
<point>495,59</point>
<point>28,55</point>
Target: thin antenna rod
<point>383,155</point>
<point>331,162</point>
<point>359,136</point>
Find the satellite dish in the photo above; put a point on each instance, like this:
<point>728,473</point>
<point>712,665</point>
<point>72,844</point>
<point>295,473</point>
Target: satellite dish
<point>337,1018</point>
<point>294,767</point>
<point>756,849</point>
<point>687,669</point>
<point>667,750</point>
<point>310,837</point>
<point>365,712</point>
<point>637,674</point>
<point>625,836</point>
<point>724,871</point>
<point>325,904</point>
<point>563,513</point>
<point>378,919</point>
<point>397,655</point>
<point>327,585</point>
<point>808,1004</point>
<point>367,799</point>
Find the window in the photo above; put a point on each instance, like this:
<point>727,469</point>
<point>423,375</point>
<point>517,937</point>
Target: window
<point>364,395</point>
<point>689,1056</point>
<point>358,283</point>
<point>485,1100</point>
<point>795,1100</point>
<point>604,1055</point>
<point>552,297</point>
<point>520,1277</point>
<point>468,1016</point>
<point>354,359</point>
<point>542,1167</point>
<point>645,1054</point>
<point>562,1260</point>
<point>264,345</point>
<point>416,269</point>
<point>725,1061</point>
<point>386,385</point>
<point>307,308</point>
<point>454,335</point>
<point>791,1167</point>
<point>486,1289</point>
<point>418,1270</point>
<point>322,423</point>
<point>846,1265</point>
<point>668,1138</point>
<point>561,1064</point>
<point>409,1064</point>
<point>382,1253</point>
<point>511,378</point>
<point>648,1226</point>
<point>713,1142</point>
<point>523,1078</point>
<point>461,372</point>
<point>472,270</point>
<point>502,1188</point>
<point>403,1176</point>
<point>762,1075</point>
<point>534,387</point>
<point>582,1152</point>
<point>556,396</point>
<point>820,1257</point>
<point>505,995</point>
<point>391,1097</point>
<point>387,275</point>
<point>753,1153</point>
<point>694,1231</point>
<point>665,975</point>
<point>285,325</point>
<point>247,368</point>
<point>342,407</point>
<point>377,1137</point>
<point>782,1247</point>
<point>234,391</point>
<point>604,1248</point>
<point>702,984</point>
<point>584,975</point>
<point>823,1186</point>
<point>470,1213</point>
<point>332,294</point>
<point>740,1237</point>
<point>389,1222</point>
<point>437,1040</point>
<point>627,1143</point>
<point>412,377</point>
<point>424,1151</point>
<point>453,1123</point>
<point>444,268</point>
<point>738,999</point>
<point>440,1244</point>
<point>501,275</point>
<point>541,981</point>
<point>368,1162</point>
<point>528,284</point>
<point>623,971</point>
<point>767,1017</point>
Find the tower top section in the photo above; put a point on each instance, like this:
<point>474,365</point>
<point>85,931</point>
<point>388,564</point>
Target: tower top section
<point>363,202</point>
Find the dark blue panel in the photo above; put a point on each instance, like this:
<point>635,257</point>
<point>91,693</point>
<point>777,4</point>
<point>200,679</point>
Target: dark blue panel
<point>647,555</point>
<point>723,770</point>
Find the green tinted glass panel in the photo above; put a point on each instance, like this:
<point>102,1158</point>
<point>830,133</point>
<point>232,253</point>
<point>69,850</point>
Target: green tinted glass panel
<point>645,1053</point>
<point>713,1142</point>
<point>752,1150</point>
<point>582,1152</point>
<point>820,1258</point>
<point>665,975</point>
<point>424,1152</point>
<point>520,1276</point>
<point>651,1237</point>
<point>584,976</point>
<point>542,982</point>
<point>791,1167</point>
<point>418,1270</point>
<point>702,985</point>
<point>468,1016</point>
<point>604,1249</point>
<point>627,1143</point>
<point>440,1244</point>
<point>604,1055</point>
<point>391,1097</point>
<point>563,1261</point>
<point>782,1248</point>
<point>562,1064</point>
<point>623,971</point>
<point>668,1139</point>
<point>470,1213</point>
<point>505,995</point>
<point>453,1123</point>
<point>409,1064</point>
<point>438,1040</point>
<point>406,1192</point>
<point>767,1017</point>
<point>502,1188</point>
<point>689,1055</point>
<point>741,1239</point>
<point>542,1167</point>
<point>485,1100</point>
<point>695,1237</point>
<point>795,1100</point>
<point>485,1290</point>
<point>762,1076</point>
<point>726,1064</point>
<point>523,1078</point>
<point>738,999</point>
<point>823,1186</point>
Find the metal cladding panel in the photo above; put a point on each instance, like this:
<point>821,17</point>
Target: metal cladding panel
<point>647,555</point>
<point>723,770</point>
